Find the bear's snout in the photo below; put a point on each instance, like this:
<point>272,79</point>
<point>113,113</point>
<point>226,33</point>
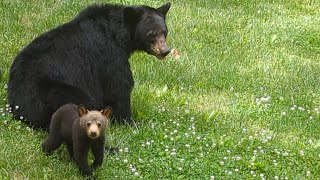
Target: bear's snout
<point>160,48</point>
<point>93,131</point>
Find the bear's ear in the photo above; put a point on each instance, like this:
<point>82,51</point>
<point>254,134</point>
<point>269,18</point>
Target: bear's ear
<point>82,110</point>
<point>132,14</point>
<point>107,111</point>
<point>164,8</point>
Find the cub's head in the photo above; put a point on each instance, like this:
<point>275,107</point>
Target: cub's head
<point>149,29</point>
<point>94,122</point>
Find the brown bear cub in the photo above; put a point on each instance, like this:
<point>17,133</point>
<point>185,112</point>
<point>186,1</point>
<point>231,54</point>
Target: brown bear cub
<point>81,130</point>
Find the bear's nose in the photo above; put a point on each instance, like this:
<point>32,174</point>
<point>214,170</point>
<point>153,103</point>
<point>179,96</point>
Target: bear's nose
<point>93,134</point>
<point>165,52</point>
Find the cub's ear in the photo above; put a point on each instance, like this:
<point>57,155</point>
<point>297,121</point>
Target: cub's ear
<point>164,8</point>
<point>82,110</point>
<point>132,14</point>
<point>107,111</point>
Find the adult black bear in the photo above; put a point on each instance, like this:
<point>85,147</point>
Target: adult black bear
<point>81,130</point>
<point>85,61</point>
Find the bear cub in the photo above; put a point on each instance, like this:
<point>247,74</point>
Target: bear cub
<point>81,130</point>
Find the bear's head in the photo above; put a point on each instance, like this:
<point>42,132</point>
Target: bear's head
<point>94,122</point>
<point>149,29</point>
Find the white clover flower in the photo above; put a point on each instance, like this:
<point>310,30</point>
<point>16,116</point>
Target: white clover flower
<point>301,152</point>
<point>308,173</point>
<point>125,160</point>
<point>265,99</point>
<point>175,131</point>
<point>173,153</point>
<point>211,177</point>
<point>221,163</point>
<point>179,168</point>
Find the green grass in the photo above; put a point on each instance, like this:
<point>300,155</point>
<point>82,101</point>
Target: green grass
<point>242,102</point>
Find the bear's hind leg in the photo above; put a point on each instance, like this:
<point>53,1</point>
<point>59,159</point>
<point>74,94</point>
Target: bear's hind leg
<point>52,143</point>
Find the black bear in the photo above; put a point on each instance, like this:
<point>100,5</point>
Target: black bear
<point>85,61</point>
<point>81,130</point>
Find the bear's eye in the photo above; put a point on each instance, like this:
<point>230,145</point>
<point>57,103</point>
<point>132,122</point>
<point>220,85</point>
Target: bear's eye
<point>99,124</point>
<point>88,124</point>
<point>165,32</point>
<point>151,34</point>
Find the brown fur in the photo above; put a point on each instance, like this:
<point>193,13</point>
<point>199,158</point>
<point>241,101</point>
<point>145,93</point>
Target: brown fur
<point>81,130</point>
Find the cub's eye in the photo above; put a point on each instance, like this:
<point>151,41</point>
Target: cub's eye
<point>88,124</point>
<point>99,124</point>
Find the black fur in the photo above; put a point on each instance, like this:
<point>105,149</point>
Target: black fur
<point>84,61</point>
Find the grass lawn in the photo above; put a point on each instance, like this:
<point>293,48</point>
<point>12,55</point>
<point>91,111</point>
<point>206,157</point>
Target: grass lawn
<point>242,101</point>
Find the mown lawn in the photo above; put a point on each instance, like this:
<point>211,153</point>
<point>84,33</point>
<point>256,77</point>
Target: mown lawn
<point>242,101</point>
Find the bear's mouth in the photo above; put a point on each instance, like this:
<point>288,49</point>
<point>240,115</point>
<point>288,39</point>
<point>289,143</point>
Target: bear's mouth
<point>93,136</point>
<point>160,56</point>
